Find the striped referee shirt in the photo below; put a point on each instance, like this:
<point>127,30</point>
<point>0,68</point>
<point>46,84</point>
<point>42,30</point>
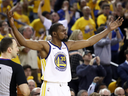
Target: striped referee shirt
<point>11,75</point>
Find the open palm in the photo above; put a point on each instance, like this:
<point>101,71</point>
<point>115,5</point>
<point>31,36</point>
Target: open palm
<point>114,24</point>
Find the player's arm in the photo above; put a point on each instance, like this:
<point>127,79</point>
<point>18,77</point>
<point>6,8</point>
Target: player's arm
<point>24,89</point>
<point>40,11</point>
<point>75,45</point>
<point>22,41</point>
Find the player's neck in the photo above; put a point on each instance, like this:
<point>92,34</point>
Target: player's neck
<point>5,56</point>
<point>56,43</point>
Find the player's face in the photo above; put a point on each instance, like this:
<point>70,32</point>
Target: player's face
<point>62,34</point>
<point>14,49</point>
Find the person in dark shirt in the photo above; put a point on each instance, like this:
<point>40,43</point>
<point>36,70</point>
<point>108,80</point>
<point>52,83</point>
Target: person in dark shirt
<point>88,71</point>
<point>11,73</point>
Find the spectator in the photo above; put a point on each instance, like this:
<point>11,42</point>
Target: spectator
<point>31,84</point>
<point>18,15</point>
<point>99,11</point>
<point>35,92</point>
<point>82,93</point>
<point>62,14</point>
<point>75,12</point>
<point>96,85</point>
<point>103,49</point>
<point>100,86</point>
<point>92,86</point>
<point>27,70</point>
<point>119,91</point>
<point>55,17</point>
<point>122,69</point>
<point>37,25</point>
<point>88,67</point>
<point>122,57</point>
<point>26,55</point>
<point>11,73</point>
<point>105,92</point>
<point>82,4</point>
<point>6,4</point>
<point>101,19</point>
<point>36,3</point>
<point>125,87</point>
<point>86,25</point>
<point>113,85</point>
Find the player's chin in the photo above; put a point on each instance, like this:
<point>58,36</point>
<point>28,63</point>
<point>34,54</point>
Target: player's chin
<point>66,36</point>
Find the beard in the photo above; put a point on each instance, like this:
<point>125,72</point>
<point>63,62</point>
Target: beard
<point>64,40</point>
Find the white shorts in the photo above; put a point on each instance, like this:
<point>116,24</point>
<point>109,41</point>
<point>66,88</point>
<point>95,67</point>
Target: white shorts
<point>54,89</point>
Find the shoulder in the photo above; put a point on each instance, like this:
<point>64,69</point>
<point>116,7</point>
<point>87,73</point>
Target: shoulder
<point>91,20</point>
<point>44,44</point>
<point>36,20</point>
<point>82,65</point>
<point>123,64</point>
<point>15,64</point>
<point>101,16</point>
<point>80,19</point>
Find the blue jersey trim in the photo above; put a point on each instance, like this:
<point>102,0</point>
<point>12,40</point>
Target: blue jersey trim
<point>4,59</point>
<point>49,50</point>
<point>66,46</point>
<point>56,45</point>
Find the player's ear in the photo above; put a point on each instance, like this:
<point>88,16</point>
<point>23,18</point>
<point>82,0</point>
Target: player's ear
<point>54,34</point>
<point>9,49</point>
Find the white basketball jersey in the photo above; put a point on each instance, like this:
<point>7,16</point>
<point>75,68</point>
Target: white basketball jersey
<point>56,68</point>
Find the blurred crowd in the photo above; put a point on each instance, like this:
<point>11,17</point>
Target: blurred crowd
<point>91,68</point>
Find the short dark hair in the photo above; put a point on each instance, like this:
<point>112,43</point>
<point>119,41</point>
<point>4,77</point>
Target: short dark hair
<point>5,43</point>
<point>27,66</point>
<point>101,2</point>
<point>21,29</point>
<point>126,51</point>
<point>105,5</point>
<point>1,22</point>
<point>45,13</point>
<point>125,85</point>
<point>54,28</point>
<point>98,85</point>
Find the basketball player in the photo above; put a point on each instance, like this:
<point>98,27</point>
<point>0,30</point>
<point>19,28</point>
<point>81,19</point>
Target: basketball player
<point>55,57</point>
